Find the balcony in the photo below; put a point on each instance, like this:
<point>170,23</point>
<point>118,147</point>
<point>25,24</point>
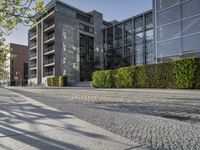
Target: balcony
<point>32,65</point>
<point>32,76</point>
<point>49,26</point>
<point>49,38</point>
<point>32,55</point>
<point>49,62</point>
<point>49,50</point>
<point>48,73</point>
<point>32,46</point>
<point>32,36</point>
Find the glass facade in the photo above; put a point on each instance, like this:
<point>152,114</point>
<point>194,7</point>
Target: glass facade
<point>130,42</point>
<point>177,28</point>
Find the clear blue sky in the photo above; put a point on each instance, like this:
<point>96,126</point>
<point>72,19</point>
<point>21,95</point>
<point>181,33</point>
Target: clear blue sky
<point>112,9</point>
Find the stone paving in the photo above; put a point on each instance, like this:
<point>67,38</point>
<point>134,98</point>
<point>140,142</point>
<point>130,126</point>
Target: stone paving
<point>158,119</point>
<point>26,124</point>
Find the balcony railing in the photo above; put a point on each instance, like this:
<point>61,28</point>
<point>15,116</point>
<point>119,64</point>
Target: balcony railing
<point>49,61</point>
<point>48,37</point>
<point>32,55</point>
<point>48,73</point>
<point>32,45</point>
<point>32,35</point>
<point>46,26</point>
<point>32,75</point>
<point>32,65</point>
<point>49,49</point>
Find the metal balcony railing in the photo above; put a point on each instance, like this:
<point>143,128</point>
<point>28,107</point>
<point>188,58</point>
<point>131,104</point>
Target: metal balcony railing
<point>49,61</point>
<point>49,24</point>
<point>48,49</point>
<point>48,37</point>
<point>32,75</point>
<point>32,45</point>
<point>32,35</point>
<point>32,55</point>
<point>48,73</point>
<point>32,65</point>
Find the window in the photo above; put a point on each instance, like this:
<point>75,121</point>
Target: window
<point>139,24</point>
<point>83,18</point>
<point>169,15</point>
<point>139,38</point>
<point>191,26</point>
<point>190,8</point>
<point>161,4</point>
<point>139,58</point>
<point>169,31</point>
<point>149,20</point>
<point>149,35</point>
<point>128,32</point>
<point>169,48</point>
<point>118,31</point>
<point>191,43</point>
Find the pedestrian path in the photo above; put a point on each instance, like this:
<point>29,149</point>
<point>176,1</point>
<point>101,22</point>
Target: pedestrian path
<point>26,124</point>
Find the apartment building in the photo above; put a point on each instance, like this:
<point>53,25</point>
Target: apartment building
<point>65,41</point>
<point>16,66</point>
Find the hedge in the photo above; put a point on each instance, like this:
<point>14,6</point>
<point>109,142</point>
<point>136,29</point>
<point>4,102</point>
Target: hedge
<point>103,79</point>
<point>183,73</point>
<point>60,81</point>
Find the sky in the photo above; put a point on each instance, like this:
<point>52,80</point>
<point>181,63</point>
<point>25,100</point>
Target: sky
<point>111,9</point>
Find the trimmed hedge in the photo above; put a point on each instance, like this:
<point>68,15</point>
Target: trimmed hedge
<point>60,81</point>
<point>103,79</point>
<point>183,73</point>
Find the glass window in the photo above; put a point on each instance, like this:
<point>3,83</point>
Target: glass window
<point>191,43</point>
<point>169,48</point>
<point>139,59</point>
<point>118,31</point>
<point>169,31</point>
<point>149,20</point>
<point>190,8</point>
<point>139,38</point>
<point>191,26</point>
<point>149,53</point>
<point>169,15</point>
<point>161,4</point>
<point>149,35</point>
<point>128,33</point>
<point>138,24</point>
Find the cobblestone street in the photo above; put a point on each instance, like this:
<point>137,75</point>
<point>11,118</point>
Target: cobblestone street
<point>156,119</point>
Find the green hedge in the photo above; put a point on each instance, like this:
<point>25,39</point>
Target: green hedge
<point>103,79</point>
<point>183,73</point>
<point>60,81</point>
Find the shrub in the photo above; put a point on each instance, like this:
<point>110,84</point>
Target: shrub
<point>141,77</point>
<point>57,81</point>
<point>187,72</point>
<point>63,81</point>
<point>124,77</point>
<point>183,73</point>
<point>103,79</point>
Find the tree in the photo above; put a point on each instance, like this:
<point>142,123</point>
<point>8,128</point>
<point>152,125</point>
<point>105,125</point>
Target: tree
<point>12,13</point>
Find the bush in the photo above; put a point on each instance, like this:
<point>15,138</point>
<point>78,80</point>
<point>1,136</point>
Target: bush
<point>63,81</point>
<point>57,81</point>
<point>187,73</point>
<point>103,79</point>
<point>124,77</point>
<point>183,73</point>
